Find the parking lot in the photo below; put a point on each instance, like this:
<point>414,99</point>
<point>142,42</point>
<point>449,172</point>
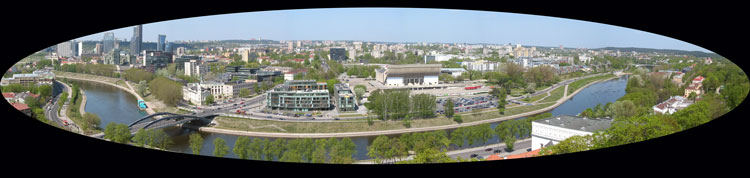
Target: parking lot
<point>467,104</point>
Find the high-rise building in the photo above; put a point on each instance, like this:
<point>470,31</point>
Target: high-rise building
<point>161,45</point>
<point>65,49</point>
<point>117,44</point>
<point>338,54</point>
<point>80,48</point>
<point>245,55</point>
<point>168,47</point>
<point>98,48</point>
<point>108,41</point>
<point>135,42</point>
<point>180,51</point>
<point>289,46</point>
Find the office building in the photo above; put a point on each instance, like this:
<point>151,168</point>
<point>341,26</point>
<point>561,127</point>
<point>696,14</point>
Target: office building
<point>136,40</point>
<point>410,74</point>
<point>481,65</point>
<point>112,57</point>
<point>180,51</point>
<point>161,44</point>
<point>192,68</point>
<point>345,100</point>
<point>80,49</point>
<point>553,130</point>
<point>153,60</point>
<point>194,93</point>
<point>338,54</point>
<point>98,49</point>
<point>299,95</point>
<point>180,61</point>
<point>108,42</point>
<point>65,49</point>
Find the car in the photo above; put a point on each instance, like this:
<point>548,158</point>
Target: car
<point>269,117</point>
<point>336,118</point>
<point>282,119</point>
<point>474,155</point>
<point>498,151</point>
<point>488,149</point>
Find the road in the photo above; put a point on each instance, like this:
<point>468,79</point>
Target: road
<point>521,146</point>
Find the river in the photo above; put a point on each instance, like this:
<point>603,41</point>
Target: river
<point>115,105</point>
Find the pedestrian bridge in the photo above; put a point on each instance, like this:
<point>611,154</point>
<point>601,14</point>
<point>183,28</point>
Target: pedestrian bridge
<point>167,119</point>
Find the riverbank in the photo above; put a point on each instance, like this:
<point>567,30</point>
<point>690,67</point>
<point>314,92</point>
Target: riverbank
<point>449,123</point>
<point>82,108</point>
<point>68,75</point>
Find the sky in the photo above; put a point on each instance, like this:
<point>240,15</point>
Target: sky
<point>403,25</point>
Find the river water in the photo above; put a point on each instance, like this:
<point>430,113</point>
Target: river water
<point>115,105</point>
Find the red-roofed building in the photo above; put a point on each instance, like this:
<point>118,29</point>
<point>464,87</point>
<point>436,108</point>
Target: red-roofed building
<point>698,79</point>
<point>299,60</point>
<point>23,108</point>
<point>522,155</point>
<point>9,95</point>
<point>531,153</point>
<point>494,157</point>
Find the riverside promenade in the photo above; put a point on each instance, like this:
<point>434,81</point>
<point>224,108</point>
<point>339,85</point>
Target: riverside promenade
<point>560,101</point>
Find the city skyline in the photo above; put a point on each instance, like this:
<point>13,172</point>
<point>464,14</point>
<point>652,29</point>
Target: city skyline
<point>403,25</point>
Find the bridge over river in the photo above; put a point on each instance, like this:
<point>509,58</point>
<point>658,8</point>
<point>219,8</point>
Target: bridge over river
<point>164,119</point>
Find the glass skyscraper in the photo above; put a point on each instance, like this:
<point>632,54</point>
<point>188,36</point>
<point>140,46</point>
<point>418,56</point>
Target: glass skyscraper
<point>135,42</point>
<point>161,46</point>
<point>109,42</point>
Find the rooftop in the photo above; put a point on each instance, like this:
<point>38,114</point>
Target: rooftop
<point>577,123</point>
<point>20,106</point>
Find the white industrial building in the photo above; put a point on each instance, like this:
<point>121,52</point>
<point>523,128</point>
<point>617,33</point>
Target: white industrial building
<point>553,130</point>
<point>410,74</point>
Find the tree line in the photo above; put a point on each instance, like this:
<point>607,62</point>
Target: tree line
<point>106,70</point>
<point>397,104</point>
<point>307,150</point>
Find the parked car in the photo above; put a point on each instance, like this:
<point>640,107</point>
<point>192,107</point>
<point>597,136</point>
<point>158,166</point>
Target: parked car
<point>336,118</point>
<point>488,149</point>
<point>474,155</point>
<point>498,151</point>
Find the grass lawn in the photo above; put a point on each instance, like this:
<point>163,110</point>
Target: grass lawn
<point>537,97</point>
<point>578,84</point>
<point>555,95</point>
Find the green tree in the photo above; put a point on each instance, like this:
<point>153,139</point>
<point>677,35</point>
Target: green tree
<point>140,138</point>
<point>122,133</point>
<point>240,147</point>
<point>319,154</point>
<point>255,149</point>
<point>209,99</point>
<point>458,119</point>
<point>623,109</point>
<point>109,131</point>
<point>244,92</point>
<point>196,142</point>
<point>220,147</point>
<point>448,107</point>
